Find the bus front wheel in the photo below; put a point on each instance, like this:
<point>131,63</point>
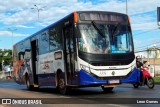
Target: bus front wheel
<point>63,89</point>
<point>107,89</point>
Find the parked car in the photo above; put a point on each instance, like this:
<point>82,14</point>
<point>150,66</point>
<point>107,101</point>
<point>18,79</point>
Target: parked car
<point>8,71</point>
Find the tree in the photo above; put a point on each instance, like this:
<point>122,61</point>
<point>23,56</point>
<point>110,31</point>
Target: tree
<point>149,50</point>
<point>5,55</point>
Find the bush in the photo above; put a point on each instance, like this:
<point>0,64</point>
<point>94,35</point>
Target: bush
<point>157,79</point>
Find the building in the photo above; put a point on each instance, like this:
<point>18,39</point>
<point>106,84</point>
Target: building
<point>154,65</point>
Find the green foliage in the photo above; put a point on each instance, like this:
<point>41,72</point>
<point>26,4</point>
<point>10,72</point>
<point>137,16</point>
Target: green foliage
<point>157,79</point>
<point>149,52</point>
<point>5,55</point>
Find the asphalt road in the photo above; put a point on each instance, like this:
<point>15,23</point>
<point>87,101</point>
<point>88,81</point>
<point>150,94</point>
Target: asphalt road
<point>89,97</point>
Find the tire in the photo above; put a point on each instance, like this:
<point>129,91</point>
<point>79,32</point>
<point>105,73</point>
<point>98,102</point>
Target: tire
<point>136,85</point>
<point>150,83</point>
<point>29,87</point>
<point>63,89</point>
<point>107,89</point>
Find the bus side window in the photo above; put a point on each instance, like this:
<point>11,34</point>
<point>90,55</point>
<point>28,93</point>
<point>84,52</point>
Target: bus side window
<point>44,43</point>
<point>54,39</point>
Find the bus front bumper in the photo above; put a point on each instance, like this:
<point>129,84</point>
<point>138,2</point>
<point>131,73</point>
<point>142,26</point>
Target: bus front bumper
<point>87,79</point>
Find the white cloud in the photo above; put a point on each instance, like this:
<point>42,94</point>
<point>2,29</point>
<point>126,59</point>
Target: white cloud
<point>145,26</point>
<point>8,33</point>
<point>23,26</point>
<point>56,10</point>
<point>142,6</point>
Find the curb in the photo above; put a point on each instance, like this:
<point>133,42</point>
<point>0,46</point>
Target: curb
<point>157,83</point>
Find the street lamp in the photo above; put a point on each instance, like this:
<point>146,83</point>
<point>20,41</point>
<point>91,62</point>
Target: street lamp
<point>12,30</point>
<point>126,6</point>
<point>38,10</point>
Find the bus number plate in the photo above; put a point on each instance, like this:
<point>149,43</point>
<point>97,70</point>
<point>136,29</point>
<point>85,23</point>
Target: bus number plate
<point>113,81</point>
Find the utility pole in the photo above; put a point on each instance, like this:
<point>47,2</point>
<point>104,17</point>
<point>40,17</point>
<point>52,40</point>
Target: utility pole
<point>158,16</point>
<point>127,7</point>
<point>154,49</point>
<point>38,11</point>
<point>12,30</point>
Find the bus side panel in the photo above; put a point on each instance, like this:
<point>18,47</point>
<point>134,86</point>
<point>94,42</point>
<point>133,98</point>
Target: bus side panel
<point>48,65</point>
<point>45,66</point>
<point>16,65</point>
<point>22,62</point>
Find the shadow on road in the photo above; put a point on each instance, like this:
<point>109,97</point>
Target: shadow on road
<point>75,91</point>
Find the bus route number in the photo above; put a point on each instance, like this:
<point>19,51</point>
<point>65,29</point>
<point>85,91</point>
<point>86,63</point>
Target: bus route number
<point>103,73</point>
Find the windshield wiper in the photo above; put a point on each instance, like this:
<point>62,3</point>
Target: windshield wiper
<point>97,28</point>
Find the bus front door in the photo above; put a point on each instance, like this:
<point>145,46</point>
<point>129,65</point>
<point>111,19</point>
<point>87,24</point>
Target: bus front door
<point>69,54</point>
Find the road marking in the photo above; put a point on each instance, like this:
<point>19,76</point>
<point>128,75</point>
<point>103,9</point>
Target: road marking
<point>116,105</point>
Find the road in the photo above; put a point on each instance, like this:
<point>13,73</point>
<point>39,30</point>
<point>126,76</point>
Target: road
<point>90,97</point>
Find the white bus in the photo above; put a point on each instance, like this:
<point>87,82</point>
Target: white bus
<point>85,48</point>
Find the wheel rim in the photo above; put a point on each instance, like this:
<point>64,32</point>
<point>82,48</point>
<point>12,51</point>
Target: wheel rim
<point>27,83</point>
<point>150,82</point>
<point>61,84</point>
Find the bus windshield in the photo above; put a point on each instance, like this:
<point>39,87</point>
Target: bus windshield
<point>105,38</point>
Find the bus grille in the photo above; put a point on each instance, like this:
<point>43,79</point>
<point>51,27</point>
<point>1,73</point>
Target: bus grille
<point>110,63</point>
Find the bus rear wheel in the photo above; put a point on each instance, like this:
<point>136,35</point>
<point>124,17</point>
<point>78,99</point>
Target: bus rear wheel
<point>63,89</point>
<point>29,87</point>
<point>107,89</point>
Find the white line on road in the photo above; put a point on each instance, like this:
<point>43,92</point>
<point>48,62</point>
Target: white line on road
<point>116,105</point>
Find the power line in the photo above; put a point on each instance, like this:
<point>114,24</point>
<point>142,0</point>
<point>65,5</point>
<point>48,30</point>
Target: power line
<point>156,48</point>
<point>158,42</point>
<point>146,31</point>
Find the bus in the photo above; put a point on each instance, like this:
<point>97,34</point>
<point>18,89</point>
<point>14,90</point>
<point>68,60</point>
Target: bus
<point>84,49</point>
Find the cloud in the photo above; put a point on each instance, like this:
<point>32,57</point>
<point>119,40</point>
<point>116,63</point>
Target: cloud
<point>20,12</point>
<point>145,43</point>
<point>23,26</point>
<point>8,33</point>
<point>145,26</point>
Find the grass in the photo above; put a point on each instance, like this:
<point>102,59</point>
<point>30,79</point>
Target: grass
<point>4,79</point>
<point>156,79</point>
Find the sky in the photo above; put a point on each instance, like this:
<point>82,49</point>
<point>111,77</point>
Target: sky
<point>19,21</point>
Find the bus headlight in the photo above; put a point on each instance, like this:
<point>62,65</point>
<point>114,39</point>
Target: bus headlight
<point>133,66</point>
<point>85,68</point>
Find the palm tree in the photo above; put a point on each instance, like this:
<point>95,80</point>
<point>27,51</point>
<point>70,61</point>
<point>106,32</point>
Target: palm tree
<point>156,54</point>
<point>149,50</point>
